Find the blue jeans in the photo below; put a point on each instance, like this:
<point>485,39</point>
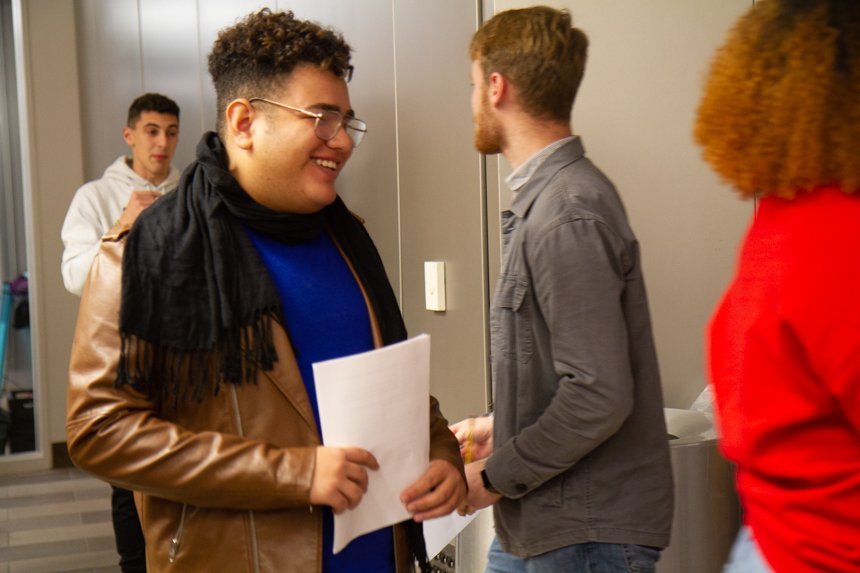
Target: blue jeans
<point>580,558</point>
<point>745,556</point>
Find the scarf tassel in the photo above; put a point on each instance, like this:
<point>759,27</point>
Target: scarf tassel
<point>168,376</point>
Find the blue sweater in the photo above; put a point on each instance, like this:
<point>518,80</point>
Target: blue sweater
<point>326,317</point>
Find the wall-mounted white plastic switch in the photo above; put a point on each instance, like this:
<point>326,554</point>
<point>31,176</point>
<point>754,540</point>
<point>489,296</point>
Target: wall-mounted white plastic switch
<point>434,285</point>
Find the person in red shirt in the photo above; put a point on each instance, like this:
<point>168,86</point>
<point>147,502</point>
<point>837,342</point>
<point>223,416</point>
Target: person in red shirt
<point>780,121</point>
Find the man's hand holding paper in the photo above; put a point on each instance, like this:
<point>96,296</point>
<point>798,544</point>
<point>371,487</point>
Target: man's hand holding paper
<point>436,493</point>
<point>340,477</point>
<point>360,399</point>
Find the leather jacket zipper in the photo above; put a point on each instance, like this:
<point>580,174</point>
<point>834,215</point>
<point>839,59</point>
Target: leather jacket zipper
<point>254,549</point>
<point>177,538</point>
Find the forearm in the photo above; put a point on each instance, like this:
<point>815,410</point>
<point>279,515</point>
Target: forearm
<point>443,444</point>
<point>576,422</point>
<point>139,451</point>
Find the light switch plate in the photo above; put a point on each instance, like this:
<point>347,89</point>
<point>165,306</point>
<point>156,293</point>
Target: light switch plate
<point>434,285</point>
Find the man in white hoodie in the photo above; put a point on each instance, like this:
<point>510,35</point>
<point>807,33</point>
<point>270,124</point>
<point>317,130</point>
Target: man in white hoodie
<point>128,186</point>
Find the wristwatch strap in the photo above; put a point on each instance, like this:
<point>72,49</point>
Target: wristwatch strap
<point>486,481</point>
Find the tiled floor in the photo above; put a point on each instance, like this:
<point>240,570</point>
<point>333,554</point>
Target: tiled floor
<point>55,521</point>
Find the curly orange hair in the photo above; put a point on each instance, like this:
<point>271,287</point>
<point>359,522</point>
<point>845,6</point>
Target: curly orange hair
<point>781,108</point>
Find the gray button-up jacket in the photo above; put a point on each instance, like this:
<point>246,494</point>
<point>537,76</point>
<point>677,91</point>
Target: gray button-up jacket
<point>581,451</point>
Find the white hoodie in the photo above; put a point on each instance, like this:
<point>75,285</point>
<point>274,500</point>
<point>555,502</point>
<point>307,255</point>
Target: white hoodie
<point>95,209</point>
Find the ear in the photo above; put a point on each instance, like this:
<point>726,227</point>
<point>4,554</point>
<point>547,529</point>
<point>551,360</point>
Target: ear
<point>126,135</point>
<point>240,116</point>
<point>497,88</point>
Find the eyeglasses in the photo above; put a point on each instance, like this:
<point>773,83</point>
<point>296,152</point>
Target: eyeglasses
<point>327,122</point>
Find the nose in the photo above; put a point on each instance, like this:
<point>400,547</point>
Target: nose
<point>161,139</point>
<point>341,140</point>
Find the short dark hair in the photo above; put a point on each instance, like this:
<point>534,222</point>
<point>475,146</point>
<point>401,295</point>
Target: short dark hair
<point>539,51</point>
<point>253,56</point>
<point>151,102</point>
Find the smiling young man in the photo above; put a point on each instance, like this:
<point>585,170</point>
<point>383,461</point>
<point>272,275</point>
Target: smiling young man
<point>129,185</point>
<point>191,378</point>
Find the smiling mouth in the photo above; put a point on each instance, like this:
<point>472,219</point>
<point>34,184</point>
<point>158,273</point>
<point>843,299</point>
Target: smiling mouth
<point>326,163</point>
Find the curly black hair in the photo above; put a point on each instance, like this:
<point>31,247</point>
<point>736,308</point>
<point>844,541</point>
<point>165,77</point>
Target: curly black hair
<point>253,57</point>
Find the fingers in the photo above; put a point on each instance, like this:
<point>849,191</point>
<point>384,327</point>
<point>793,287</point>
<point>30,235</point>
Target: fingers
<point>461,429</point>
<point>464,430</point>
<point>428,480</point>
<point>480,429</point>
<point>143,199</point>
<point>437,492</point>
<point>465,509</point>
<point>361,456</point>
<point>137,203</point>
<point>340,477</point>
<point>475,436</point>
<point>349,494</point>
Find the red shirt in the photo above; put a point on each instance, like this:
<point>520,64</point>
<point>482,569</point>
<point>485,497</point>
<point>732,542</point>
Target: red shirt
<point>785,367</point>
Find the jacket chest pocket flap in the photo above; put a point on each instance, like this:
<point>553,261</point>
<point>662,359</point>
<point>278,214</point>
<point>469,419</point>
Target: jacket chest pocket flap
<point>511,319</point>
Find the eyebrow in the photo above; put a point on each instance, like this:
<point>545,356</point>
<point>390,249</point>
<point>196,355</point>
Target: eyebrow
<point>158,126</point>
<point>331,107</point>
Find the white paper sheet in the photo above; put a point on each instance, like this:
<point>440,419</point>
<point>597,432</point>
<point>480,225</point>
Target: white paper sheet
<point>440,531</point>
<point>379,401</point>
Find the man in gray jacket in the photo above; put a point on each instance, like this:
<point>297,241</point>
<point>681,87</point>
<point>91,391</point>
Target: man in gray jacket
<point>575,456</point>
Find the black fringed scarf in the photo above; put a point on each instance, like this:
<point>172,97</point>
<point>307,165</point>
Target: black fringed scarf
<point>197,301</point>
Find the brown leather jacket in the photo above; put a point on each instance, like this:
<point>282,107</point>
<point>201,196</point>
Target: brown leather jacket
<point>223,485</point>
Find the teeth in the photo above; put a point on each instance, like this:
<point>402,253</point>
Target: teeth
<point>328,164</point>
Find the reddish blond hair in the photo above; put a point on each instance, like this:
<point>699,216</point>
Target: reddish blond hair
<point>540,52</point>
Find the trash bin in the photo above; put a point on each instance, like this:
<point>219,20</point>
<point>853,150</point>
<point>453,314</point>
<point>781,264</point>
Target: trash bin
<point>707,512</point>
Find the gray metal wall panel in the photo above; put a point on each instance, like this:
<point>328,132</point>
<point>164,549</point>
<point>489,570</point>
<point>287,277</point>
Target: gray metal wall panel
<point>169,60</point>
<point>111,76</point>
<point>442,200</point>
